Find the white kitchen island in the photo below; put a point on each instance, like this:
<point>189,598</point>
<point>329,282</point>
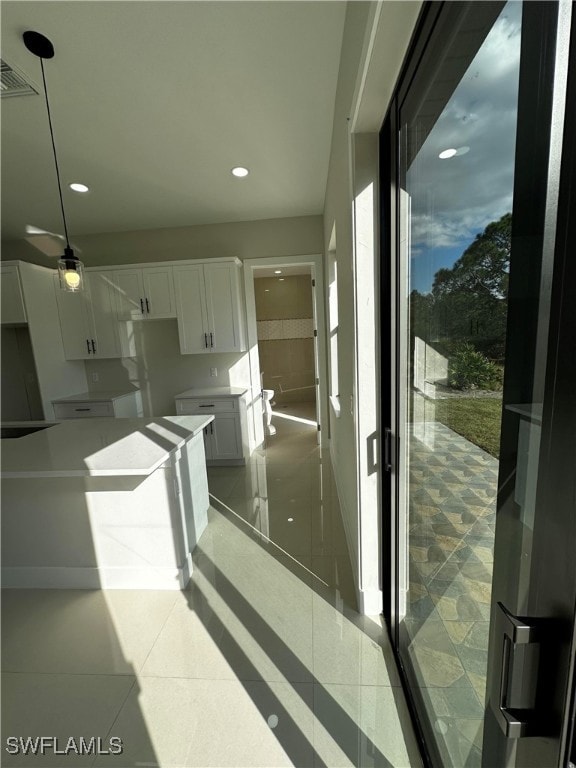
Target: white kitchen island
<point>104,503</point>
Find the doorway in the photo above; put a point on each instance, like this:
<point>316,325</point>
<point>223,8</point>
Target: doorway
<point>285,319</point>
<point>475,174</point>
<point>286,345</point>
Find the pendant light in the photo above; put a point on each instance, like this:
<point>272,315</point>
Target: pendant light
<point>70,268</point>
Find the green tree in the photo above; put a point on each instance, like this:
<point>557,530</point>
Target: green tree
<point>470,298</point>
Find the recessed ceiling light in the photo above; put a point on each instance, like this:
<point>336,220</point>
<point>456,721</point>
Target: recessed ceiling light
<point>277,271</point>
<point>281,279</point>
<point>447,153</point>
<point>77,187</point>
<point>240,172</point>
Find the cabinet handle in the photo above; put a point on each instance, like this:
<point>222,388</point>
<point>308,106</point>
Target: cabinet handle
<point>206,406</point>
<point>81,409</point>
<point>88,345</point>
<point>206,340</point>
<point>141,306</point>
<point>147,306</point>
<point>211,339</point>
<point>93,347</point>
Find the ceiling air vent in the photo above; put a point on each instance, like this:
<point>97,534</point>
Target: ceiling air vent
<point>14,83</point>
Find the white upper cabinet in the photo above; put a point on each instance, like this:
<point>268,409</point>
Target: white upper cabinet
<point>88,320</point>
<point>209,307</point>
<point>145,294</point>
<point>13,310</point>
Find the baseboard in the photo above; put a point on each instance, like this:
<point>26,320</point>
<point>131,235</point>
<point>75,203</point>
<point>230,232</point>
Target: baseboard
<point>33,577</point>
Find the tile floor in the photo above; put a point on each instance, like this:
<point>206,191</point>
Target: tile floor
<point>453,487</point>
<point>262,661</point>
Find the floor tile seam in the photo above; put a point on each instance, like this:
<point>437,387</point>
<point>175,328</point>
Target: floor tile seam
<point>118,712</point>
<point>68,674</point>
<point>265,679</point>
<point>378,686</point>
<point>175,604</point>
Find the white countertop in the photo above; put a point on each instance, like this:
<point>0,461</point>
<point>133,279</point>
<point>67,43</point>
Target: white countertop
<point>213,392</point>
<point>99,447</point>
<point>96,397</point>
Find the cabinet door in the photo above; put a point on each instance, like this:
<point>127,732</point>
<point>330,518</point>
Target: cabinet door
<point>129,289</point>
<point>159,292</point>
<point>106,324</point>
<point>223,305</point>
<point>191,309</point>
<point>226,437</point>
<point>12,300</point>
<point>77,332</point>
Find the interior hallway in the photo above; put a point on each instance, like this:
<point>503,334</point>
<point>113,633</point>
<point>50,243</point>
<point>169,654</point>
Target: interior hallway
<point>263,661</point>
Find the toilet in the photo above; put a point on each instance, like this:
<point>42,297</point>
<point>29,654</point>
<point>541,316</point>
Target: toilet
<point>267,396</point>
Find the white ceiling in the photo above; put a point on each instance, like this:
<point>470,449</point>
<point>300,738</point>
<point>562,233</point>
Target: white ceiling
<point>154,102</point>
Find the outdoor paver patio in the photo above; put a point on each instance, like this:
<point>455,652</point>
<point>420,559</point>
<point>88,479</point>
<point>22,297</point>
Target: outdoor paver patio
<point>452,512</point>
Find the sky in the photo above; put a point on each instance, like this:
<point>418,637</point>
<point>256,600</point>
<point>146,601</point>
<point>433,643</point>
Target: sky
<point>453,200</point>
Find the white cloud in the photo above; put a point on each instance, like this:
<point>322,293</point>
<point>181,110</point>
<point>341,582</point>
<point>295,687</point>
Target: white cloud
<point>453,199</point>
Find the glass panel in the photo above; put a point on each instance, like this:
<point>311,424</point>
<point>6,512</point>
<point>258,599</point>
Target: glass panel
<point>457,175</point>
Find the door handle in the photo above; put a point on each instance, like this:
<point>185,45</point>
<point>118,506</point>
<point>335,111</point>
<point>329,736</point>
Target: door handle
<point>512,632</point>
<point>387,449</point>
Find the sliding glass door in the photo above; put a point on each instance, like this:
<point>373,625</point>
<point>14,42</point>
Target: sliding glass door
<point>481,483</point>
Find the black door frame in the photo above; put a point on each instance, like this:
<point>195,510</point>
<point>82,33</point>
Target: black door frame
<point>438,22</point>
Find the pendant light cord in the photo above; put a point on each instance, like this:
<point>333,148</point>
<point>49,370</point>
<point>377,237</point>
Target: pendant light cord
<point>54,152</point>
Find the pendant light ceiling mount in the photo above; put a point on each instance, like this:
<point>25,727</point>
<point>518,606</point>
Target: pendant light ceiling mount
<point>70,269</point>
<point>38,44</point>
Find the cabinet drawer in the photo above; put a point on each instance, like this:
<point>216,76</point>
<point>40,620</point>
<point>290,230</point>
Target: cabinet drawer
<point>217,405</point>
<point>80,410</point>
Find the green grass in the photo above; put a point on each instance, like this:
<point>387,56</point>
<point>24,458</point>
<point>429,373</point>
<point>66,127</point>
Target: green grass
<point>477,419</point>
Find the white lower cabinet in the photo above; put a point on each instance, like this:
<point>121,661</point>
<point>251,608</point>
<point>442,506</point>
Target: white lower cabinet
<point>225,438</point>
<point>90,405</point>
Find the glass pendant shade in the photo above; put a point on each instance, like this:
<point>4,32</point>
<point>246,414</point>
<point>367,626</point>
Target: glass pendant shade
<point>70,272</point>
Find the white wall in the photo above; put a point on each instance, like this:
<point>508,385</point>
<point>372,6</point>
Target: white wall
<point>375,42</point>
<point>338,213</point>
<point>244,240</point>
